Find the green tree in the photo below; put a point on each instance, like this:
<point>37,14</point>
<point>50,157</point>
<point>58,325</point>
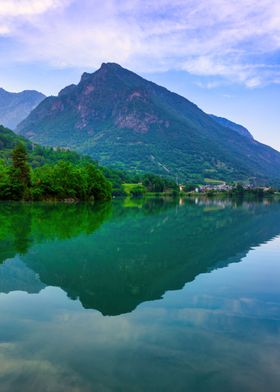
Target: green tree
<point>5,186</point>
<point>65,180</point>
<point>20,174</point>
<point>62,180</point>
<point>98,187</point>
<point>239,190</point>
<point>155,183</point>
<point>137,191</point>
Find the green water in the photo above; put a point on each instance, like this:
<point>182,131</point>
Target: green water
<point>155,295</point>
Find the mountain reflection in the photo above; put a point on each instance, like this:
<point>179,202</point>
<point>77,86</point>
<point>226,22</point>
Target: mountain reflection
<point>112,257</point>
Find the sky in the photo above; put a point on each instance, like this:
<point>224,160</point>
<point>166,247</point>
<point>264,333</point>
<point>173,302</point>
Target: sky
<point>224,55</point>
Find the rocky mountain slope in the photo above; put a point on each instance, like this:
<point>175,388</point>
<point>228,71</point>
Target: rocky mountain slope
<point>125,121</point>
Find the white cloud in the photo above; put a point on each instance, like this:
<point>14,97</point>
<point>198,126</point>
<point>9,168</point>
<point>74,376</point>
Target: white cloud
<point>26,7</point>
<point>13,12</point>
<point>233,40</point>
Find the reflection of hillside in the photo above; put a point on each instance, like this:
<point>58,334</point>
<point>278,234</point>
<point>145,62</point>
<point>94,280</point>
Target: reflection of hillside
<point>138,255</point>
<point>22,225</point>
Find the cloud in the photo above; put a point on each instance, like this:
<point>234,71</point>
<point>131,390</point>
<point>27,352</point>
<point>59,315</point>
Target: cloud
<point>16,8</point>
<point>237,41</point>
<point>14,11</point>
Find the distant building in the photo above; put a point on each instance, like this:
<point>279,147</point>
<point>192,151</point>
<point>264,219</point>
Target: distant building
<point>217,187</point>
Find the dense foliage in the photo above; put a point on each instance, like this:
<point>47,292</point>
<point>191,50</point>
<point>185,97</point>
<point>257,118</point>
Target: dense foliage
<point>37,155</point>
<point>134,184</point>
<point>76,178</point>
<point>158,184</point>
<point>57,181</point>
<point>20,174</point>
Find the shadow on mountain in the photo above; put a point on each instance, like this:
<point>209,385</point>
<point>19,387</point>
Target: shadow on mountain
<point>113,258</point>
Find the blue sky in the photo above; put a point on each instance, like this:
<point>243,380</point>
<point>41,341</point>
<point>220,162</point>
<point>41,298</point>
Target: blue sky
<point>222,54</point>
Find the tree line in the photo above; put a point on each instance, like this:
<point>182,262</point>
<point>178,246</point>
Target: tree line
<point>71,178</point>
<point>58,181</point>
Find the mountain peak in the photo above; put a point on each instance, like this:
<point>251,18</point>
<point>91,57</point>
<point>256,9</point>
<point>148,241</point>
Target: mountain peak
<point>105,67</point>
<point>110,66</point>
<point>85,76</point>
<point>125,121</point>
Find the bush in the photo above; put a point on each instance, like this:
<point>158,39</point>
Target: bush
<point>65,180</point>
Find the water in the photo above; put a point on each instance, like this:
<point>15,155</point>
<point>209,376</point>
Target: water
<point>140,296</point>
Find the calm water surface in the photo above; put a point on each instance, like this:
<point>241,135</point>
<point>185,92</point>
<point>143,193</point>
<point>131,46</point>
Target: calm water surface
<point>140,296</point>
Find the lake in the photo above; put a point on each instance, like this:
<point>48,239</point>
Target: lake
<point>140,295</point>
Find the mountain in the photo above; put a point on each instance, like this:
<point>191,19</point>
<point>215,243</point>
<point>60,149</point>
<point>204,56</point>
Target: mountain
<point>125,121</point>
<point>14,107</point>
<point>231,125</point>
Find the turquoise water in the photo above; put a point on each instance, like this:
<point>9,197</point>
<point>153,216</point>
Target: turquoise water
<point>154,295</point>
